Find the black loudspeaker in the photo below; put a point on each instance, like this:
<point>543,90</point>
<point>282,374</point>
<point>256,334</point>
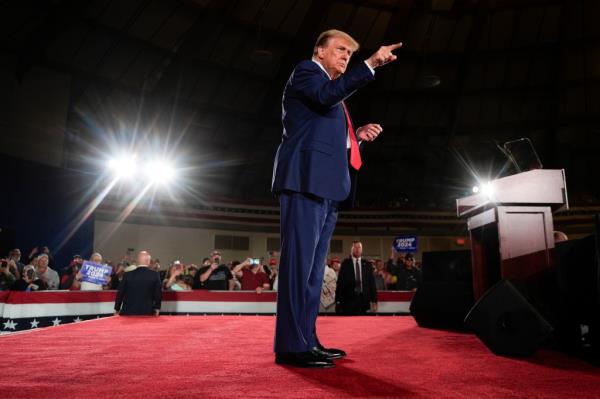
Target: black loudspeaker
<point>442,305</point>
<point>507,323</point>
<point>578,292</point>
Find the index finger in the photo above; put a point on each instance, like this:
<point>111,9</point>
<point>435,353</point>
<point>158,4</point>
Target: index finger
<point>394,46</point>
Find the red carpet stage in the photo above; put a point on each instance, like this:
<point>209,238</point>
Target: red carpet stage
<point>231,356</point>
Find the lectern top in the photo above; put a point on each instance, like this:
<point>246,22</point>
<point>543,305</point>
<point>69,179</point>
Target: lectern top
<point>535,187</point>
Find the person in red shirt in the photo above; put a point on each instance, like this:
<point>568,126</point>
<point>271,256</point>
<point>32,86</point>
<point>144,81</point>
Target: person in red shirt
<point>72,280</point>
<point>252,276</point>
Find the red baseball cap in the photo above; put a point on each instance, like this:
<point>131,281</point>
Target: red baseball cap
<point>273,262</point>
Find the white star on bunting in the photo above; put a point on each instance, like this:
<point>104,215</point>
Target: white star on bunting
<point>10,325</point>
<point>34,323</point>
<point>77,320</point>
<point>56,322</point>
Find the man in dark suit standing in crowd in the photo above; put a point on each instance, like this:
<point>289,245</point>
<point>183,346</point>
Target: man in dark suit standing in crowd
<point>356,292</point>
<point>139,291</point>
<point>311,177</point>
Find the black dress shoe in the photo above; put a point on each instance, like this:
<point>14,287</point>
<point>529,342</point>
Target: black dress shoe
<point>304,359</point>
<point>329,353</point>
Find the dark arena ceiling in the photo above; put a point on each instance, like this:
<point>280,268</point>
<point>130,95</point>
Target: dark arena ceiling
<point>202,81</point>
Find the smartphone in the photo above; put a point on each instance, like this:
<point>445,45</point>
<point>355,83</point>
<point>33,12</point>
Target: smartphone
<point>255,261</point>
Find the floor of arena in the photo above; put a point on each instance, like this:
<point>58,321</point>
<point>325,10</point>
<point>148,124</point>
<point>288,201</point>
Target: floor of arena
<point>231,356</point>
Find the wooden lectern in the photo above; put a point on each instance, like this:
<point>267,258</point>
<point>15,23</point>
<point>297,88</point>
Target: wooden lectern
<point>511,227</point>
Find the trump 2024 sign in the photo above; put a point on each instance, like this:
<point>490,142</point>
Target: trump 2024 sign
<point>405,243</point>
<point>95,273</point>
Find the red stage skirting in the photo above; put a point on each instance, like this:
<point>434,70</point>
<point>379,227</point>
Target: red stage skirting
<point>26,310</point>
<point>231,357</point>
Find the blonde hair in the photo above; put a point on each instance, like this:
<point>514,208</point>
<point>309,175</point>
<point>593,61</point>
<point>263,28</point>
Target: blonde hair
<point>328,34</point>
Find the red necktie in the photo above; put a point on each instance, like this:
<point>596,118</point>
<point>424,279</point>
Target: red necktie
<point>355,160</point>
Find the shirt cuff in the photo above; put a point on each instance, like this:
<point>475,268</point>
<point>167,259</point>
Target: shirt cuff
<point>370,69</point>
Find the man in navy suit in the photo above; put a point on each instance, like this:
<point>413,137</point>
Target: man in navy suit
<point>311,176</point>
<point>139,292</point>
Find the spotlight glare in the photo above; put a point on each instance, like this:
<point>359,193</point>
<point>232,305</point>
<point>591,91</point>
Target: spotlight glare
<point>123,167</point>
<point>488,190</point>
<point>475,189</point>
<point>160,172</point>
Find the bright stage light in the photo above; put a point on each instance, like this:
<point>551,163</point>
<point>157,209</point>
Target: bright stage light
<point>160,172</point>
<point>488,190</point>
<point>123,167</point>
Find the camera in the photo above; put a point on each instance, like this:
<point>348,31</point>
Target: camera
<point>30,273</point>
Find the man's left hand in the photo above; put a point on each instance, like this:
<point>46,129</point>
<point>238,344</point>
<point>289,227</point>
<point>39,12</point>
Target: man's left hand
<point>369,132</point>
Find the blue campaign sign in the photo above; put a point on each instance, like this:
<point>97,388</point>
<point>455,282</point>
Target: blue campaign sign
<point>405,243</point>
<point>95,273</point>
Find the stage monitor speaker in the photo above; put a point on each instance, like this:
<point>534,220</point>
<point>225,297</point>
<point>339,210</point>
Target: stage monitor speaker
<point>442,305</point>
<point>578,281</point>
<point>507,323</point>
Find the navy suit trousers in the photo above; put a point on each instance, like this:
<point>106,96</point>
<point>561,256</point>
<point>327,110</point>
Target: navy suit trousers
<point>307,224</point>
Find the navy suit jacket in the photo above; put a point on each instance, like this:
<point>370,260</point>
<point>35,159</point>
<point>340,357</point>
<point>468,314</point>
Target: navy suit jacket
<point>139,292</point>
<point>312,157</point>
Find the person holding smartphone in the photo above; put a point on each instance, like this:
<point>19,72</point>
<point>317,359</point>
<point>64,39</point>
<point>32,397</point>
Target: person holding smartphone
<point>252,275</point>
<point>46,273</point>
<point>15,256</point>
<point>175,270</point>
<point>71,279</point>
<point>214,275</point>
<point>29,281</point>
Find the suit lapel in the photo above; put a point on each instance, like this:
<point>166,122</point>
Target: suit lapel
<point>340,106</point>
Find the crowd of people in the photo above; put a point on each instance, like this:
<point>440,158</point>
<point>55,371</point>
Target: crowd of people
<point>38,271</point>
